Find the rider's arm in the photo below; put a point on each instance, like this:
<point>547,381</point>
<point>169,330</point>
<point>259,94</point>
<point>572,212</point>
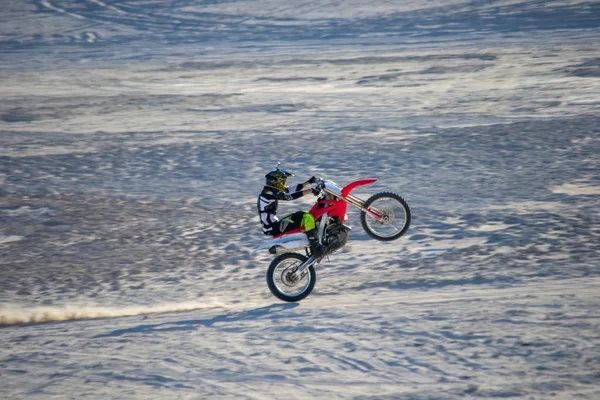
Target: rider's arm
<point>292,196</point>
<point>297,193</point>
<point>304,192</point>
<point>302,185</point>
<point>288,196</point>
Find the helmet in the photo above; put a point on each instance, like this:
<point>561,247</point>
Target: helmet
<point>276,180</point>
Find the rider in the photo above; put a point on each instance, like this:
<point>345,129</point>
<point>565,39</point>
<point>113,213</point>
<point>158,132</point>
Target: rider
<point>276,189</point>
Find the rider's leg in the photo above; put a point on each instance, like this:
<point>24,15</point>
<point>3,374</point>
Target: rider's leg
<point>308,221</point>
<point>291,222</point>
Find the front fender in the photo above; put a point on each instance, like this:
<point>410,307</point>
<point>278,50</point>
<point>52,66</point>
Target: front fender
<point>348,188</point>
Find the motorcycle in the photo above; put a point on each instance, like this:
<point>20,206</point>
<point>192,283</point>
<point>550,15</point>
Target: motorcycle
<point>384,216</point>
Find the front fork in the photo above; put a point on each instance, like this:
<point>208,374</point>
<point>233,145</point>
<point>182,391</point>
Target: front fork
<point>359,204</point>
<point>301,271</point>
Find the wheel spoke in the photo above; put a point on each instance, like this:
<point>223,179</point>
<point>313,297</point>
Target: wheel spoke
<point>285,281</point>
<point>394,220</point>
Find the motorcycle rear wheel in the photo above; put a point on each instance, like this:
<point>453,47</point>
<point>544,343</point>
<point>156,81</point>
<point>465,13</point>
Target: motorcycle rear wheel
<point>396,216</point>
<point>280,280</point>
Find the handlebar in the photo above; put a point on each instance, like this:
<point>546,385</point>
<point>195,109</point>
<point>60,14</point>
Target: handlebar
<point>320,184</point>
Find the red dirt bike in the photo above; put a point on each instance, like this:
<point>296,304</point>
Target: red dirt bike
<point>384,216</point>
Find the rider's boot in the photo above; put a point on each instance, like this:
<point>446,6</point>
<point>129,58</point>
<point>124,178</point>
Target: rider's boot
<point>316,248</point>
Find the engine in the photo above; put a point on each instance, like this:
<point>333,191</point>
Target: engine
<point>335,236</point>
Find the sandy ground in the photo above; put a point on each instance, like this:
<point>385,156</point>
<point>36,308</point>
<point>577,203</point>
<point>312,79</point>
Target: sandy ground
<point>133,142</point>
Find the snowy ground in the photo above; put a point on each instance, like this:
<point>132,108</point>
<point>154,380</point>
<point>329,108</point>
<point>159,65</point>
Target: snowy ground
<point>134,137</point>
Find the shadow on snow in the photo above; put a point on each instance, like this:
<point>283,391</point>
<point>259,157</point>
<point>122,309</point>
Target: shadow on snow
<point>192,324</point>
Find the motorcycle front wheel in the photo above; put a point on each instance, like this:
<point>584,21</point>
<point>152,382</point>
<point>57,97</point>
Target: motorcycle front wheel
<point>283,284</point>
<point>394,220</point>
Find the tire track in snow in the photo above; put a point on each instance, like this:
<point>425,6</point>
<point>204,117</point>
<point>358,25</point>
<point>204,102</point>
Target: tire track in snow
<point>50,6</point>
<point>108,6</point>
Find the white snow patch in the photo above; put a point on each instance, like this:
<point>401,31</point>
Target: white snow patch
<point>10,238</point>
<point>434,247</point>
<point>527,207</point>
<point>452,220</point>
<point>576,189</point>
<point>492,227</point>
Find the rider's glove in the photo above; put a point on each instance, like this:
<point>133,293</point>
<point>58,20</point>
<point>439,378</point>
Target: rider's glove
<point>313,179</point>
<point>316,192</point>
